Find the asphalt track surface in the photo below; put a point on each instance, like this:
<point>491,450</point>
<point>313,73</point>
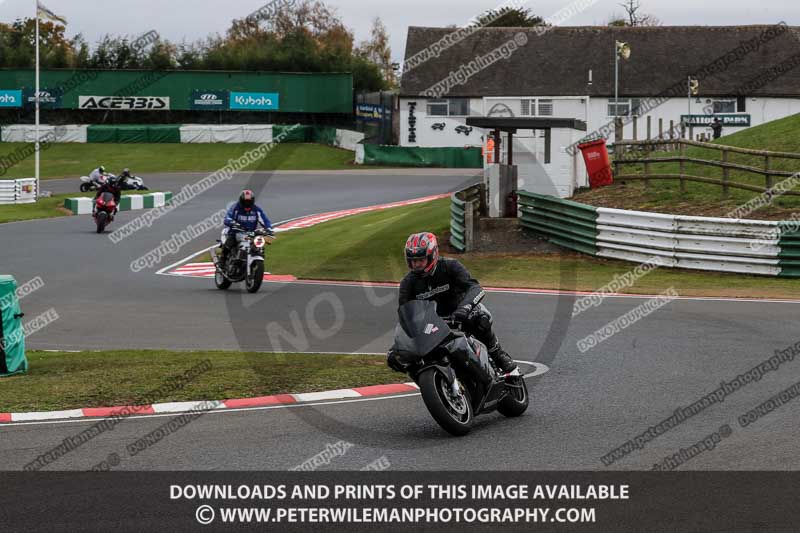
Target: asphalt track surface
<point>585,406</point>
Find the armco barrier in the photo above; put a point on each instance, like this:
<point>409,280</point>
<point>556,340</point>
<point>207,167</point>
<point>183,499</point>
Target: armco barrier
<point>20,191</point>
<point>128,202</point>
<point>565,223</point>
<point>702,243</point>
<point>464,208</point>
<point>406,156</point>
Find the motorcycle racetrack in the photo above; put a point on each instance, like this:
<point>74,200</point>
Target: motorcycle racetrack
<point>589,403</point>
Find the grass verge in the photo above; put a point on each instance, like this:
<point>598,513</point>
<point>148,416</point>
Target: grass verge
<point>702,199</point>
<point>74,159</point>
<point>369,247</point>
<point>47,207</point>
<point>59,380</point>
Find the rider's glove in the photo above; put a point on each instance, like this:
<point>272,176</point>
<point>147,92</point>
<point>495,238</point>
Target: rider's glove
<point>393,363</point>
<point>460,315</point>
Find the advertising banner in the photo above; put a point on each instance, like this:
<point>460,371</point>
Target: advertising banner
<point>10,98</point>
<point>125,103</point>
<point>254,101</point>
<point>48,98</point>
<point>209,100</point>
<point>741,121</point>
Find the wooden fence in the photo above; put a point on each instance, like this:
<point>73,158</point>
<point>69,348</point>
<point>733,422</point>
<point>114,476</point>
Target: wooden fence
<point>632,151</point>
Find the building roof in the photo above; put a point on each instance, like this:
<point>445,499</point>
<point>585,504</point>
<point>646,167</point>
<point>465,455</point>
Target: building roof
<point>557,63</point>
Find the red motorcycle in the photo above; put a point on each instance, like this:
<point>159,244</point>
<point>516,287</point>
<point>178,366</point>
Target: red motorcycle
<point>105,207</point>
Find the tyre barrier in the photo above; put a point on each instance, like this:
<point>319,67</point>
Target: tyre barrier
<point>130,202</point>
<point>769,248</point>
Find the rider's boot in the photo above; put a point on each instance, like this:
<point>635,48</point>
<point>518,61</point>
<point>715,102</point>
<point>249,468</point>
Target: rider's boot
<point>502,359</point>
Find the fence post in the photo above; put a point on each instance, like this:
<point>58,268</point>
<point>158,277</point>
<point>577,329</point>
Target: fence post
<point>767,169</point>
<point>469,221</point>
<point>683,166</point>
<point>647,151</point>
<point>661,129</point>
<point>635,128</point>
<point>725,173</point>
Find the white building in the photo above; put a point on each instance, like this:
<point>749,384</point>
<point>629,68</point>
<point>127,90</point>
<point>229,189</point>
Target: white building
<point>747,76</point>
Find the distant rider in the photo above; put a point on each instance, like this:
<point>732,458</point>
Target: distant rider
<point>448,283</point>
<point>243,216</point>
<point>98,175</point>
<point>124,175</point>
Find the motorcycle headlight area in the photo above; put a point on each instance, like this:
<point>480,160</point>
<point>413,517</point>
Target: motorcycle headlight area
<point>259,241</point>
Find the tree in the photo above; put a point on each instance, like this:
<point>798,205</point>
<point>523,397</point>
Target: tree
<point>633,17</point>
<point>377,51</point>
<point>508,17</point>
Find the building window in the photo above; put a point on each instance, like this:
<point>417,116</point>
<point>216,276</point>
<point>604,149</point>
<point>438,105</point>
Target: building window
<point>454,107</point>
<point>724,106</point>
<point>625,107</point>
<point>536,107</point>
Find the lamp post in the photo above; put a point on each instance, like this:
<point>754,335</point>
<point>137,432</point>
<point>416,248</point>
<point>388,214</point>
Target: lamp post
<point>622,50</point>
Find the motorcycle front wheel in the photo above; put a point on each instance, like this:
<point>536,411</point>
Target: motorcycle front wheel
<point>102,220</point>
<point>256,277</point>
<point>453,413</point>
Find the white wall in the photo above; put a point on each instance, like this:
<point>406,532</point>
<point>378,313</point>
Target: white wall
<point>447,137</point>
<point>761,110</point>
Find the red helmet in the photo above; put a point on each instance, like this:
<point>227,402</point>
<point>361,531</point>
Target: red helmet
<point>247,199</point>
<point>424,245</point>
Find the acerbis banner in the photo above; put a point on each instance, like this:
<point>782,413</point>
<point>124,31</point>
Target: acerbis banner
<point>10,98</point>
<point>209,100</point>
<point>126,103</point>
<point>48,98</point>
<point>254,101</point>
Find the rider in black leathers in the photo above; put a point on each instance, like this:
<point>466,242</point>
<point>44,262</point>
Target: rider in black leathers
<point>456,293</point>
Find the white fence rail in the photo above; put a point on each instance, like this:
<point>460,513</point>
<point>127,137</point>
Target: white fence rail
<point>727,245</point>
<point>21,191</point>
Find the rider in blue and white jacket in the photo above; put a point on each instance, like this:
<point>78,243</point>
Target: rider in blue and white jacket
<point>243,216</point>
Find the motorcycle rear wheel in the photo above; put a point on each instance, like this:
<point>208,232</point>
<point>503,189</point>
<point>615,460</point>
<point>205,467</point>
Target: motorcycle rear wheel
<point>86,187</point>
<point>453,414</point>
<point>221,281</point>
<point>516,402</point>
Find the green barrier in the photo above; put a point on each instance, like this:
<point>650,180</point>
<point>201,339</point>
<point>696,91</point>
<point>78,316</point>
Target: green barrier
<point>12,337</point>
<point>136,133</point>
<point>422,157</point>
<point>562,222</point>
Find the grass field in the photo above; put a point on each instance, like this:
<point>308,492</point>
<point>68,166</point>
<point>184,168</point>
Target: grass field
<point>46,207</point>
<point>58,380</point>
<point>706,199</point>
<point>374,252</point>
<point>61,160</point>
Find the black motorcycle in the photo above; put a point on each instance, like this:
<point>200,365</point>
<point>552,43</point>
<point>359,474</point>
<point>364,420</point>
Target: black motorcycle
<point>456,377</point>
<point>245,262</point>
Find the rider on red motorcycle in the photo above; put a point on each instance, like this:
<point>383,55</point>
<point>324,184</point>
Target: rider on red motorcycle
<point>113,186</point>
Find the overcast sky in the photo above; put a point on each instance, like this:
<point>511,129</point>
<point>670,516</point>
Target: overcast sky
<point>193,19</point>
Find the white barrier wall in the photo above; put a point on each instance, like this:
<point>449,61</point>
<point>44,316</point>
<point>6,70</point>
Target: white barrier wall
<point>719,244</point>
<point>237,133</point>
<point>21,191</point>
<point>26,133</point>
